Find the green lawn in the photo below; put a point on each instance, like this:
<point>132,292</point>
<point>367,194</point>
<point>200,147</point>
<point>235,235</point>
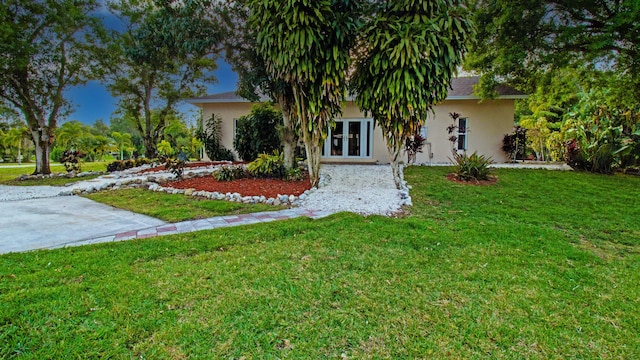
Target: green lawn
<point>540,265</point>
<point>8,175</point>
<point>173,207</point>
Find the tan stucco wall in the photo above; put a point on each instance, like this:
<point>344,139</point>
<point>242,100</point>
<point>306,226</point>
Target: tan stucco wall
<point>227,112</point>
<point>488,122</point>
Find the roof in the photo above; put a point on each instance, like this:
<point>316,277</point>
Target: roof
<point>461,89</point>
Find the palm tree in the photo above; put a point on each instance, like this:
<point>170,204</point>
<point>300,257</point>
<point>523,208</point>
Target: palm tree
<point>14,138</point>
<point>123,141</point>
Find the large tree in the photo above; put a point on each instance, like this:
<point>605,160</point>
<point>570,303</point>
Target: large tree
<point>46,48</point>
<point>408,53</point>
<point>166,54</point>
<point>241,51</point>
<point>306,44</point>
<point>518,41</point>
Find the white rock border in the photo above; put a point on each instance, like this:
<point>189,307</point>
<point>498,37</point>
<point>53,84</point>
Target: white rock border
<point>131,178</point>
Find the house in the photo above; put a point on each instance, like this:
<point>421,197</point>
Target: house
<point>481,126</point>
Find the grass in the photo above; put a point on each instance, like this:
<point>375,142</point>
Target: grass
<point>540,265</point>
<point>172,207</point>
<point>9,175</point>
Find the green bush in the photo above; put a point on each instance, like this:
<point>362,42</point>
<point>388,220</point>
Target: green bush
<point>257,132</point>
<point>472,167</point>
<point>210,134</point>
<point>56,154</point>
<point>120,165</point>
<point>229,173</point>
<point>267,165</point>
<point>294,174</point>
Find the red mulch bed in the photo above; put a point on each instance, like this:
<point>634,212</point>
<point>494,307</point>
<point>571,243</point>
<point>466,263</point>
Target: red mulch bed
<point>270,188</point>
<point>452,177</point>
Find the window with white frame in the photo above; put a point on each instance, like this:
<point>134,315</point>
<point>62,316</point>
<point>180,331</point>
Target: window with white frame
<point>463,132</point>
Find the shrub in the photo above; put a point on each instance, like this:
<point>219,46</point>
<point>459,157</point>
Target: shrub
<point>71,160</point>
<point>294,174</point>
<point>412,146</point>
<point>229,173</point>
<point>210,133</point>
<point>257,132</point>
<point>268,165</point>
<point>472,167</point>
<point>56,154</point>
<point>514,145</point>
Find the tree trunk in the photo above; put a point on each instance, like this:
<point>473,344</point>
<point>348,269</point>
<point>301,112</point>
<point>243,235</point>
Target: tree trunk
<point>313,152</point>
<point>149,147</point>
<point>394,156</point>
<point>42,142</point>
<point>288,136</point>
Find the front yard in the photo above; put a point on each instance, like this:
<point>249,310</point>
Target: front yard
<point>541,264</point>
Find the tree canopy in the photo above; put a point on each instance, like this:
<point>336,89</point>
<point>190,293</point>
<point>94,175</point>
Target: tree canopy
<point>409,51</point>
<point>522,40</point>
<point>46,47</point>
<point>307,45</point>
<point>167,54</point>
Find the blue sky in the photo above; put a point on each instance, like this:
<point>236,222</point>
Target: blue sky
<point>92,101</point>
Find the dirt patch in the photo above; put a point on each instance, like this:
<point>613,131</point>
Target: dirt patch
<point>269,188</point>
<point>492,180</point>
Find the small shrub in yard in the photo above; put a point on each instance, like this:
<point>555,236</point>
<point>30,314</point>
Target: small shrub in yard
<point>71,160</point>
<point>229,173</point>
<point>294,174</point>
<point>120,165</point>
<point>268,165</point>
<point>472,167</point>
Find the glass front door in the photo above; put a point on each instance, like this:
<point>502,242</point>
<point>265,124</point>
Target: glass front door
<point>351,138</point>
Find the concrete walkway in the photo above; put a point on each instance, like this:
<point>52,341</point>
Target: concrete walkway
<point>202,224</point>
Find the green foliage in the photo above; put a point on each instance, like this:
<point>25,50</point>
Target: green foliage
<point>412,146</point>
<point>470,266</point>
<point>268,165</point>
<point>472,167</point>
<point>120,165</point>
<point>257,132</point>
<point>306,44</point>
<point>229,173</point>
<point>524,42</point>
<point>173,207</point>
<point>46,47</point>
<point>164,148</point>
<point>409,51</point>
<point>72,160</point>
<point>209,133</point>
<point>165,56</point>
<point>294,174</point>
<point>241,51</point>
<point>514,145</point>
<point>601,138</point>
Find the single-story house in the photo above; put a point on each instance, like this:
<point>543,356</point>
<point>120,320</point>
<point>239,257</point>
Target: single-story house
<point>481,126</point>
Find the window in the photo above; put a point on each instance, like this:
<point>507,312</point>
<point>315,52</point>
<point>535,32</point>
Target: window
<point>463,129</point>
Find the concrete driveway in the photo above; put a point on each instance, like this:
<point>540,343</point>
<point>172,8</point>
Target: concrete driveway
<point>47,222</point>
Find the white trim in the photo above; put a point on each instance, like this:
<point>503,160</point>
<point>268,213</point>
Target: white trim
<point>345,140</point>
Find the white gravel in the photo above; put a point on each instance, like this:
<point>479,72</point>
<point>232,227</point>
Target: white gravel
<point>362,189</point>
<point>14,193</point>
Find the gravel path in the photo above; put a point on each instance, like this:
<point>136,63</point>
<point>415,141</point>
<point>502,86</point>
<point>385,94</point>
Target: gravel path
<point>362,189</point>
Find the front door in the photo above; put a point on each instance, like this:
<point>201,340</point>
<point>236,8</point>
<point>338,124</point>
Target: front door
<point>351,138</point>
